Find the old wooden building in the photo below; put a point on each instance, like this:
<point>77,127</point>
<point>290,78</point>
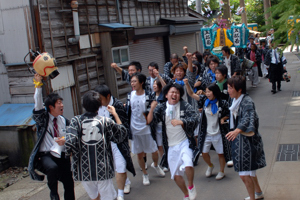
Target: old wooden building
<point>106,31</point>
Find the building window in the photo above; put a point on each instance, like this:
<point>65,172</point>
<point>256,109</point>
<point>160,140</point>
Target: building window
<point>121,55</point>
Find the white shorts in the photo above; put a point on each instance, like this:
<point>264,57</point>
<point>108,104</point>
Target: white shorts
<point>216,141</point>
<point>180,156</point>
<point>247,173</point>
<point>143,143</point>
<point>159,139</point>
<point>105,188</point>
<point>119,161</point>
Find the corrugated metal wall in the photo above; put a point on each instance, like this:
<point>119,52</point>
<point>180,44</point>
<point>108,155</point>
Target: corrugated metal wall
<point>146,51</point>
<point>68,107</point>
<point>177,42</point>
<point>16,34</point>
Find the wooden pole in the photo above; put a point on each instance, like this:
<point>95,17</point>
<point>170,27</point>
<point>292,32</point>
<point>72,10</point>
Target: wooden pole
<point>267,5</point>
<point>227,14</point>
<point>244,15</point>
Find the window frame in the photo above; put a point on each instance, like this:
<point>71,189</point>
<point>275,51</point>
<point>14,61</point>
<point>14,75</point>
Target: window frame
<point>120,56</point>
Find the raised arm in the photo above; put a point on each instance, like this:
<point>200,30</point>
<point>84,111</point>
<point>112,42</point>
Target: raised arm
<point>112,111</point>
<point>190,62</point>
<point>162,81</point>
<point>150,114</point>
<point>189,90</point>
<point>117,68</point>
<point>38,97</point>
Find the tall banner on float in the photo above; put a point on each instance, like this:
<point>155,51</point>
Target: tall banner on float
<point>239,35</point>
<point>208,37</point>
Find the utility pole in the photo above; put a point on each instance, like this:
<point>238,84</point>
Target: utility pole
<point>198,6</point>
<point>227,14</point>
<point>267,5</point>
<point>244,15</point>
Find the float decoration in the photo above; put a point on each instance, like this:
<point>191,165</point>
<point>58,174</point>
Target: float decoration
<point>239,35</point>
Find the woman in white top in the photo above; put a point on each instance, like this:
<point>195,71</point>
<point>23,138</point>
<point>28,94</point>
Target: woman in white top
<point>212,127</point>
<point>142,140</point>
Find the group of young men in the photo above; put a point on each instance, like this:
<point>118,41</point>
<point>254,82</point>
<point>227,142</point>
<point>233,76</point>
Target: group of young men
<point>98,140</point>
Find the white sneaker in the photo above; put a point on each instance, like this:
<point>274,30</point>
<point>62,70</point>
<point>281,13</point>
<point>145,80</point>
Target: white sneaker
<point>127,189</point>
<point>146,179</point>
<point>209,171</point>
<point>220,176</point>
<point>186,198</point>
<point>256,197</point>
<point>120,198</point>
<point>230,163</point>
<point>159,171</point>
<point>192,193</point>
<point>165,169</point>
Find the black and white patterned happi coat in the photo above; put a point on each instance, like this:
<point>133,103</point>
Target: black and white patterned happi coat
<point>247,152</point>
<point>223,112</point>
<point>188,115</point>
<point>88,141</point>
<point>41,118</point>
<point>124,146</point>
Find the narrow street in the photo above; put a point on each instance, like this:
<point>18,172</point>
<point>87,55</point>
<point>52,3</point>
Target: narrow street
<point>279,124</point>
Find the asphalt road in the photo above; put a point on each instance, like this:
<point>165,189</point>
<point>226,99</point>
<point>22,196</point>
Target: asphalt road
<point>271,110</point>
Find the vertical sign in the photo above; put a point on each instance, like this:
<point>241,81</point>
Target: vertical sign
<point>236,37</point>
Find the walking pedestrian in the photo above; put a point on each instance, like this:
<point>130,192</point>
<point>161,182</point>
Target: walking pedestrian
<point>231,61</point>
<point>263,51</point>
<point>88,141</point>
<point>254,56</point>
<point>137,106</point>
<point>247,146</point>
<point>121,152</point>
<point>275,60</point>
<point>213,128</point>
<point>179,120</point>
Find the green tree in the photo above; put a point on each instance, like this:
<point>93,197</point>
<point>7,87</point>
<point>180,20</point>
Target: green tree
<point>282,13</point>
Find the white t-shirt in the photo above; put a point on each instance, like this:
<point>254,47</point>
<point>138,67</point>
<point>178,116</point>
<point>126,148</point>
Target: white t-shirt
<point>103,109</point>
<point>213,127</point>
<point>175,134</point>
<point>228,65</point>
<point>138,123</point>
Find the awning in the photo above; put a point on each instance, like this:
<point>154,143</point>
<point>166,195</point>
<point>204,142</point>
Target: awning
<point>16,115</point>
<point>116,26</point>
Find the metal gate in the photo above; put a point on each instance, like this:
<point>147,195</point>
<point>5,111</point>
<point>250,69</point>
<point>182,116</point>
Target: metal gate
<point>146,51</point>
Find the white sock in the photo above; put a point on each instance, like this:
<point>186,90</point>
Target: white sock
<point>120,193</point>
